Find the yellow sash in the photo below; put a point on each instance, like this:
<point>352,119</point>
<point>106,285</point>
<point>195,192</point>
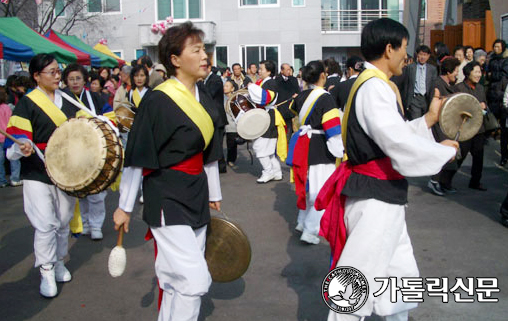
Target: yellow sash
<point>136,97</point>
<point>47,106</point>
<point>190,106</point>
<point>282,144</point>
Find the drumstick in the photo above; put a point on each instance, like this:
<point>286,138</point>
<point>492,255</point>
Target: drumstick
<point>283,102</point>
<point>465,117</point>
<point>11,137</point>
<point>118,257</point>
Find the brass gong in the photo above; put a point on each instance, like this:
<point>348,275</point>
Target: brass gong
<point>454,109</point>
<point>228,250</point>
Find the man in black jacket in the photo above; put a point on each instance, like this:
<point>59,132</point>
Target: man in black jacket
<point>214,86</point>
<point>287,87</point>
<point>341,91</point>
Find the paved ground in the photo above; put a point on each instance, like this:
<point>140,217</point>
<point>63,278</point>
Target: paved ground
<point>456,236</point>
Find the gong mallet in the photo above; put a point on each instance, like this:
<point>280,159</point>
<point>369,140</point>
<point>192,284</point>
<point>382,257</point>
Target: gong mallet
<point>465,117</point>
<point>118,257</point>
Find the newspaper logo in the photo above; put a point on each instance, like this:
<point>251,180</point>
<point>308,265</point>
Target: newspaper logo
<point>345,289</point>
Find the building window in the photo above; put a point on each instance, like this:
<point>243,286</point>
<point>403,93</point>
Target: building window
<point>179,9</point>
<point>504,27</point>
<point>119,53</point>
<point>221,56</point>
<point>104,6</point>
<point>423,13</point>
<point>244,3</point>
<point>255,54</point>
<point>140,53</point>
<point>298,56</point>
<point>60,8</point>
<point>298,3</point>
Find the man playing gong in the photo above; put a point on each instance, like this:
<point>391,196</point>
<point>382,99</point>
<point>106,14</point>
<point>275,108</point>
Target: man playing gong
<point>381,149</point>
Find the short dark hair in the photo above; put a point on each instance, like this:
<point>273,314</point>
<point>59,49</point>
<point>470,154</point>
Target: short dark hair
<point>312,71</point>
<point>423,48</point>
<point>24,81</point>
<point>39,62</point>
<point>101,69</point>
<point>270,66</point>
<point>95,76</point>
<point>146,61</point>
<point>250,65</point>
<point>468,68</point>
<point>10,81</point>
<point>74,67</point>
<point>448,65</point>
<point>502,42</point>
<point>236,64</point>
<point>235,86</point>
<point>332,67</point>
<point>135,71</point>
<point>468,47</point>
<point>457,48</point>
<point>173,42</point>
<point>352,62</point>
<point>377,34</point>
<point>441,50</point>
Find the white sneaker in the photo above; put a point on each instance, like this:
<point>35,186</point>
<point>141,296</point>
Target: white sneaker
<point>299,227</point>
<point>265,178</point>
<point>277,176</point>
<point>309,238</point>
<point>61,272</point>
<point>141,201</point>
<point>86,229</point>
<point>48,287</point>
<point>96,234</point>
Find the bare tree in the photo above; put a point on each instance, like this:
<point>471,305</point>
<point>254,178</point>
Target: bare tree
<point>60,15</point>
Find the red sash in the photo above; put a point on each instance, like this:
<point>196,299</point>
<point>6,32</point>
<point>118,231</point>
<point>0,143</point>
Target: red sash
<point>333,228</point>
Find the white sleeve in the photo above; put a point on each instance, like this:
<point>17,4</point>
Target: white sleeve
<point>335,146</point>
<point>14,152</point>
<point>212,172</point>
<point>419,127</point>
<point>411,153</point>
<point>505,98</point>
<point>129,187</point>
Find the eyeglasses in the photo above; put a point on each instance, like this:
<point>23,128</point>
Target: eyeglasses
<point>52,72</point>
<point>77,79</point>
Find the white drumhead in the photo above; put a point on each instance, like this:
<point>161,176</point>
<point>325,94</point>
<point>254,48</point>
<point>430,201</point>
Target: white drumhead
<point>253,124</point>
<point>75,153</point>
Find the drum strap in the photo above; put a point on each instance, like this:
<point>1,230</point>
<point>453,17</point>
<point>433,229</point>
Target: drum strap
<point>47,106</point>
<point>310,102</point>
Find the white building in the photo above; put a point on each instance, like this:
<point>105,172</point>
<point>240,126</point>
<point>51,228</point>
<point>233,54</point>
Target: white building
<point>244,31</point>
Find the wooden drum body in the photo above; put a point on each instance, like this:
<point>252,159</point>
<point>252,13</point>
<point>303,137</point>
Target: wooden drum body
<point>83,156</point>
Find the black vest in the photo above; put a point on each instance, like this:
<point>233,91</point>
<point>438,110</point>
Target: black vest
<point>361,149</point>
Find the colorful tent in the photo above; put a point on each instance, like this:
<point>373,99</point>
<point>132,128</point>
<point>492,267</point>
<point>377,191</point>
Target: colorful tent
<point>20,43</point>
<point>105,50</point>
<point>97,58</point>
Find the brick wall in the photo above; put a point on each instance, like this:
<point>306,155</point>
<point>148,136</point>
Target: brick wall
<point>435,12</point>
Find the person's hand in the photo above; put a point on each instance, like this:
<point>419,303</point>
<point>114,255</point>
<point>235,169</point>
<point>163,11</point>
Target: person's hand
<point>484,106</point>
<point>295,95</point>
<point>432,116</point>
<point>331,87</point>
<point>451,143</point>
<point>26,149</point>
<point>121,217</point>
<point>215,205</point>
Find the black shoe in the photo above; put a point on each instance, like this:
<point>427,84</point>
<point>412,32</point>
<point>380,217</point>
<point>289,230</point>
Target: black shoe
<point>448,189</point>
<point>503,161</point>
<point>478,187</point>
<point>435,188</point>
<point>504,221</point>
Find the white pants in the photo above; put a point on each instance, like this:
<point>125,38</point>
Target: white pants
<point>182,271</point>
<point>378,245</point>
<point>310,218</point>
<point>265,149</point>
<point>49,210</point>
<point>93,210</point>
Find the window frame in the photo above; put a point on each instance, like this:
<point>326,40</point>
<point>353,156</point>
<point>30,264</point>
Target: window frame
<point>298,6</point>
<point>251,6</point>
<point>135,52</point>
<point>64,13</point>
<point>304,53</point>
<point>215,54</point>
<point>244,46</point>
<point>102,9</point>
<point>118,50</point>
<point>202,13</point>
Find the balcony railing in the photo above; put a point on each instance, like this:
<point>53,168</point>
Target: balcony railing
<point>354,20</point>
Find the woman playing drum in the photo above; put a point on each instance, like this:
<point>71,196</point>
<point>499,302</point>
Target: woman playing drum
<point>93,210</point>
<point>314,147</point>
<point>49,209</point>
<point>170,143</point>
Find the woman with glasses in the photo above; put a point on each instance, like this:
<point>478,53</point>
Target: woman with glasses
<point>92,207</point>
<point>48,208</point>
